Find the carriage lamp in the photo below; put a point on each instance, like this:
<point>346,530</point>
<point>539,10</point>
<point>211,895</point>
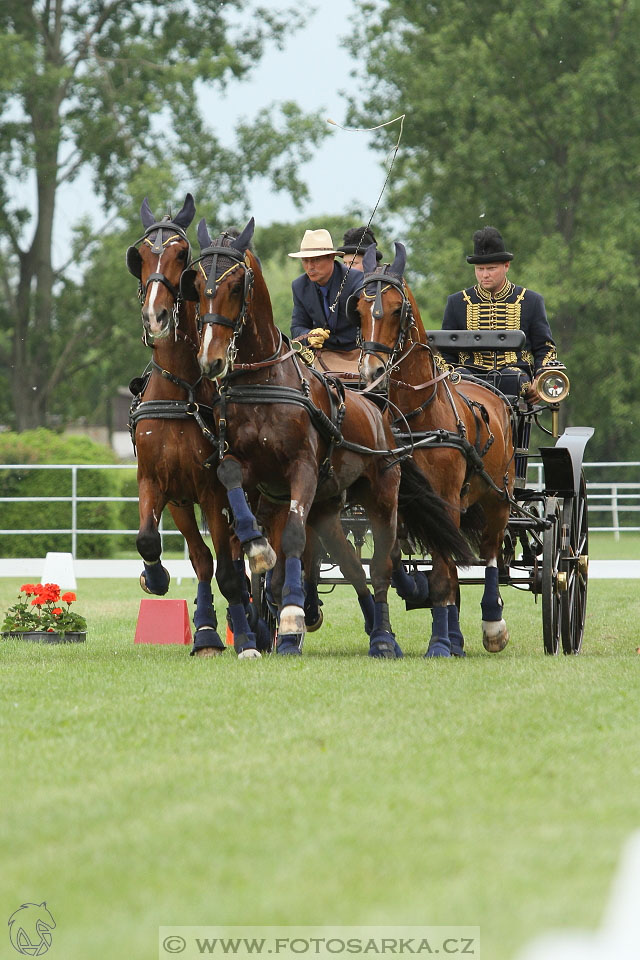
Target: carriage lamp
<point>552,384</point>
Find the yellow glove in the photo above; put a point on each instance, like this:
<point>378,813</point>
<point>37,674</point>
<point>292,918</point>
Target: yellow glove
<point>317,337</point>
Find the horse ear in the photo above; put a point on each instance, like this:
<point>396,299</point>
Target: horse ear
<point>242,242</point>
<point>400,262</point>
<point>145,214</point>
<point>188,286</point>
<point>134,262</point>
<point>369,261</point>
<point>203,234</point>
<point>188,212</point>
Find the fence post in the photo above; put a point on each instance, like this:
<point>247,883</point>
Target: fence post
<point>614,511</point>
<point>74,511</point>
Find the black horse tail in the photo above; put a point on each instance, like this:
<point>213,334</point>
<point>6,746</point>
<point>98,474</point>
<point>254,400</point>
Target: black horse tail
<point>472,524</point>
<point>427,518</point>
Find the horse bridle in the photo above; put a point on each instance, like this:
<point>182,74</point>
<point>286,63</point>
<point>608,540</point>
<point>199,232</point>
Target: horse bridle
<point>382,281</point>
<point>212,282</point>
<point>154,237</point>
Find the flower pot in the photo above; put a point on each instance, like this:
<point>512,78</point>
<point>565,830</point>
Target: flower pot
<point>43,636</point>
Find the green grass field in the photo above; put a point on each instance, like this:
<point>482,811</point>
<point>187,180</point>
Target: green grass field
<point>143,788</point>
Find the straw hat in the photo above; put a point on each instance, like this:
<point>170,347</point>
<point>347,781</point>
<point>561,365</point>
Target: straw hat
<point>315,243</point>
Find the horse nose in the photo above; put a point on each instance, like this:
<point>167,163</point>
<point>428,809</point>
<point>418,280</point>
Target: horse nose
<point>155,320</point>
<point>211,368</point>
<point>372,369</point>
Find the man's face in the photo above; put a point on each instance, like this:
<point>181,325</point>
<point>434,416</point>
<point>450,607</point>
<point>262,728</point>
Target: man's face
<point>318,269</point>
<point>491,276</point>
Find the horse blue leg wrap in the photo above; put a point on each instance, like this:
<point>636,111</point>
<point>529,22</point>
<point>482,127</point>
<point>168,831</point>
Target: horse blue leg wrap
<point>312,603</point>
<point>205,621</point>
<point>439,645</point>
<point>238,566</point>
<point>368,611</point>
<point>367,605</point>
<point>491,604</point>
<point>156,578</point>
<point>413,587</point>
<point>292,592</point>
<point>455,633</point>
<point>382,643</point>
<point>244,522</point>
<point>243,638</point>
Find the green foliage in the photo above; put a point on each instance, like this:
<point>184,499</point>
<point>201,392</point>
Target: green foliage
<point>45,447</point>
<point>522,116</point>
<point>118,90</point>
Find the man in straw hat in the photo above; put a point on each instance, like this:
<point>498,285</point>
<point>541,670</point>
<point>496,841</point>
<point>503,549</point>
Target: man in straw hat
<point>497,304</point>
<point>319,317</point>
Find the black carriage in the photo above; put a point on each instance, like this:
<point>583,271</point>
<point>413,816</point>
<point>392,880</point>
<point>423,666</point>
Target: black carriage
<point>545,548</point>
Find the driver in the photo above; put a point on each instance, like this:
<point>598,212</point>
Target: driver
<point>497,304</point>
<point>320,297</point>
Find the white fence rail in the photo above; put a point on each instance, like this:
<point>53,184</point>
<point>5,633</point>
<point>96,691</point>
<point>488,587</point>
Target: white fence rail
<point>616,500</point>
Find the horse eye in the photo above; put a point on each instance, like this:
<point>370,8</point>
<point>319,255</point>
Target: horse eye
<point>182,254</point>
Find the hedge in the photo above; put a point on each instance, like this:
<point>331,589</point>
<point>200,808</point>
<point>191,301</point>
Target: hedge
<point>46,447</point>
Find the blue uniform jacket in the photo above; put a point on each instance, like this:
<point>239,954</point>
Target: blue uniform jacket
<point>512,308</point>
<point>308,311</point>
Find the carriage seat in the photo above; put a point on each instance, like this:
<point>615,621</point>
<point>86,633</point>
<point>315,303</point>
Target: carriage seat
<point>486,341</point>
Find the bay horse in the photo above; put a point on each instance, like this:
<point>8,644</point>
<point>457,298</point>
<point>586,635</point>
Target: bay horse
<point>464,432</point>
<point>296,438</point>
<point>171,424</point>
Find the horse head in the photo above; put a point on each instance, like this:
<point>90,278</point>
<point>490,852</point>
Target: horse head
<point>220,280</point>
<point>158,263</point>
<point>383,311</point>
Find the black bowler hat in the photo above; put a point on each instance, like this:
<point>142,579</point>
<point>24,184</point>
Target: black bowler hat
<point>357,240</point>
<point>488,247</point>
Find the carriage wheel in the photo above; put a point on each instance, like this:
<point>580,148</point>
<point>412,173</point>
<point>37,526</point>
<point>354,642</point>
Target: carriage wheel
<point>575,566</point>
<point>551,561</point>
<point>258,596</point>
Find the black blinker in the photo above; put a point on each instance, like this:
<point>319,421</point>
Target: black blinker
<point>134,262</point>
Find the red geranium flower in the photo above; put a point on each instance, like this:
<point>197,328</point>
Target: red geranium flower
<point>68,597</point>
<point>27,588</point>
<point>38,602</point>
<point>57,611</point>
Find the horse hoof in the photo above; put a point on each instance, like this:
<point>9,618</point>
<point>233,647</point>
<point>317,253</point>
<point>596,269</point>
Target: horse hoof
<point>383,650</point>
<point>495,635</point>
<point>250,654</point>
<point>289,646</point>
<point>261,556</point>
<point>159,592</point>
<point>291,620</point>
<point>312,627</point>
<point>204,652</point>
<point>438,648</point>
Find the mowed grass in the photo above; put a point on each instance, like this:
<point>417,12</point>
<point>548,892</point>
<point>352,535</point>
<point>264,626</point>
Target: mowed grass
<point>142,787</point>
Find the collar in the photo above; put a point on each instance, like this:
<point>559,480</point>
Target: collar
<point>502,293</point>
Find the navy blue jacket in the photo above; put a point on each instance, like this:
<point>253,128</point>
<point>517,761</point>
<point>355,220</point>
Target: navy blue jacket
<point>512,308</point>
<point>308,310</point>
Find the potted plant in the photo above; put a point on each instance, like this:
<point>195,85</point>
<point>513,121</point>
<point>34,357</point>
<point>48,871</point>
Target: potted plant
<point>43,614</point>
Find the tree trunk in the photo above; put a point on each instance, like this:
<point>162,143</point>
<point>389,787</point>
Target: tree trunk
<point>29,377</point>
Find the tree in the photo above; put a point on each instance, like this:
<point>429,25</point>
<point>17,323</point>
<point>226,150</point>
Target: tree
<point>522,116</point>
<point>111,86</point>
